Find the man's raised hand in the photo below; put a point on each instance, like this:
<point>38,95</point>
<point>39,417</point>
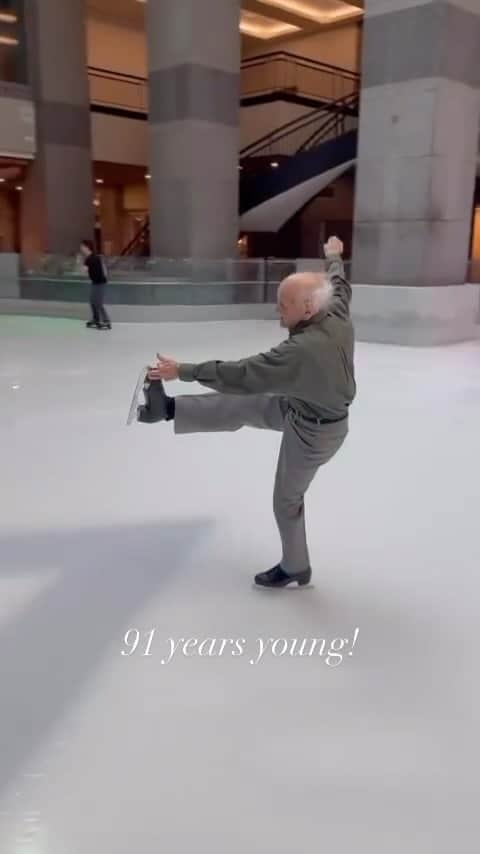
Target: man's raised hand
<point>333,248</point>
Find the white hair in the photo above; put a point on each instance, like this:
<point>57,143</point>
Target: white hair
<point>322,295</point>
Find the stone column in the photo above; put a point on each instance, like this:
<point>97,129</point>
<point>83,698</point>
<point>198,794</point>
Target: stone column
<point>194,69</point>
<point>418,141</point>
<point>57,201</point>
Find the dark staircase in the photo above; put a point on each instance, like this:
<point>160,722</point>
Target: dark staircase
<point>319,140</point>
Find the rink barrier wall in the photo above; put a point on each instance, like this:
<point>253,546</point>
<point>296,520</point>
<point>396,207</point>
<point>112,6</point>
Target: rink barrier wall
<point>9,275</point>
<point>419,317</point>
<point>142,313</point>
<point>412,316</point>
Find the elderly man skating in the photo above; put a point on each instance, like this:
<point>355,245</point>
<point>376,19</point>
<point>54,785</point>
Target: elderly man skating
<point>303,388</point>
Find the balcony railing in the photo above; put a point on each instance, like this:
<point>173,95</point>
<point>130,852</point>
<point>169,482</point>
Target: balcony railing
<point>271,75</point>
<point>287,73</point>
<point>115,91</point>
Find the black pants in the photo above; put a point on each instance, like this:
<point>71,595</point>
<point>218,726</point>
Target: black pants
<point>97,296</point>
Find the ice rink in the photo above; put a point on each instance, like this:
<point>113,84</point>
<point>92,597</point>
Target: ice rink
<point>106,529</point>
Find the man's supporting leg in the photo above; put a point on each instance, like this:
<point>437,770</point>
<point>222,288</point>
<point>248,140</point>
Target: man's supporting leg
<point>99,299</point>
<point>216,413</point>
<point>104,315</point>
<point>304,449</point>
<point>94,305</point>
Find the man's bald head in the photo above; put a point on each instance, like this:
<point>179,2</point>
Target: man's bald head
<point>303,295</point>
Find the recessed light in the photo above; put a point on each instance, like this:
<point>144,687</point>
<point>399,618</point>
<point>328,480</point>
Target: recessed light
<point>263,27</point>
<point>19,188</point>
<point>99,180</point>
<point>9,40</point>
<point>8,18</point>
<point>274,164</point>
<point>311,11</point>
<point>147,176</point>
<point>2,180</point>
<point>96,203</point>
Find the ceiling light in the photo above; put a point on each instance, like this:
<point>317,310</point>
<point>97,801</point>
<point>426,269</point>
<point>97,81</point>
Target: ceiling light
<point>99,180</point>
<point>262,27</point>
<point>19,188</point>
<point>2,180</point>
<point>147,176</point>
<point>274,164</point>
<point>96,203</point>
<point>8,18</point>
<point>9,40</point>
<point>324,13</point>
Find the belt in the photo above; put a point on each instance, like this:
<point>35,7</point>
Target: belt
<point>316,420</point>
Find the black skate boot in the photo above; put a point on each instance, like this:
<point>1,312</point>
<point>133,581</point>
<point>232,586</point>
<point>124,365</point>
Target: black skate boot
<point>93,325</point>
<point>157,407</point>
<point>156,403</point>
<point>277,577</point>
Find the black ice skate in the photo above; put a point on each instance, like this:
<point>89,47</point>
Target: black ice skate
<point>277,577</point>
<point>156,401</point>
<point>92,324</point>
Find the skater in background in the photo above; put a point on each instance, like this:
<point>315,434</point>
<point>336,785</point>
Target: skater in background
<point>98,278</point>
<point>303,388</point>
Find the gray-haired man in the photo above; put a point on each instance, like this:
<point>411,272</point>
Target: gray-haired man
<point>302,388</point>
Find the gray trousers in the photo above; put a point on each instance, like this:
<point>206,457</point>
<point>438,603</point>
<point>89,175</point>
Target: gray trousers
<point>305,447</point>
<point>97,298</point>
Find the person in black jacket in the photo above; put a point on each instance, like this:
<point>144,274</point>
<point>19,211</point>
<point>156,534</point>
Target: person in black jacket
<point>98,278</point>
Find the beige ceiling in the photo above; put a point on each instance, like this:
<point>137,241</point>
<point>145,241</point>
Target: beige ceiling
<point>261,19</point>
<point>123,11</point>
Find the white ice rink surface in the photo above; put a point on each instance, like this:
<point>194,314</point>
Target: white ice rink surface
<point>106,529</point>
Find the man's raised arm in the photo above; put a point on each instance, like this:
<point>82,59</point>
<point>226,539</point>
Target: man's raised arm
<point>336,273</point>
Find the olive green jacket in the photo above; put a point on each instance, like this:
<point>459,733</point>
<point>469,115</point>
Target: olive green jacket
<point>313,368</point>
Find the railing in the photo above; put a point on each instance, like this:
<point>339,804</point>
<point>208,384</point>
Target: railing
<point>288,73</point>
<point>140,242</point>
<point>162,281</point>
<point>118,91</point>
<point>307,131</point>
<point>272,73</point>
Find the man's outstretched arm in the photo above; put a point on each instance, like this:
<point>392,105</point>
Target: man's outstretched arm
<point>274,372</point>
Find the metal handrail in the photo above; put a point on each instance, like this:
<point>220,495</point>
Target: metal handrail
<point>316,137</point>
<point>304,61</point>
<point>115,75</point>
<point>330,115</point>
<point>136,239</point>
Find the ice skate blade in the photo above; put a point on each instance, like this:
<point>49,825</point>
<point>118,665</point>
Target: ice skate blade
<point>294,587</point>
<point>132,414</point>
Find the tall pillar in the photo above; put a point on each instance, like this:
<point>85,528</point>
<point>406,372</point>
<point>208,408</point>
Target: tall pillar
<point>57,200</point>
<point>194,71</point>
<point>418,141</point>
